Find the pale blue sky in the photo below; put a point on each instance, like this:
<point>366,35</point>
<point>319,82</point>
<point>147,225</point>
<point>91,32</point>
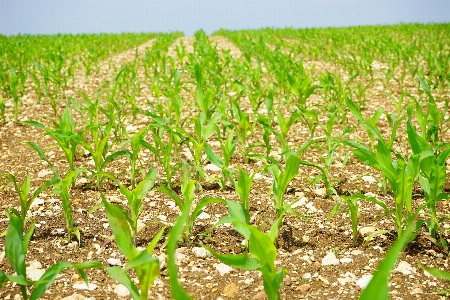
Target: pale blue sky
<point>114,16</point>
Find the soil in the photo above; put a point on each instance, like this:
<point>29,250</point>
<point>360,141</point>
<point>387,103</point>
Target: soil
<point>303,242</point>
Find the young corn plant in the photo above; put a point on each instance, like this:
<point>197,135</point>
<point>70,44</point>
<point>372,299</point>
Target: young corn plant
<point>281,179</point>
<point>61,187</point>
<point>64,135</point>
<point>145,266</point>
<point>432,175</point>
<point>134,198</point>
<point>23,192</point>
<point>262,251</point>
<point>16,248</point>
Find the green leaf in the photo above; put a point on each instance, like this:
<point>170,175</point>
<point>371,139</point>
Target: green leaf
<point>14,249</point>
<point>120,227</point>
<point>438,273</point>
<point>48,277</point>
<point>378,287</point>
<point>241,261</point>
<point>262,247</point>
<point>122,277</point>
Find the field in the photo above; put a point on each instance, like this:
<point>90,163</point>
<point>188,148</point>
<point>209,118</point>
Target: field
<point>258,164</point>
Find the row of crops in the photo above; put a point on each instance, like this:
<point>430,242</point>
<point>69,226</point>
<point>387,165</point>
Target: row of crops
<point>164,119</point>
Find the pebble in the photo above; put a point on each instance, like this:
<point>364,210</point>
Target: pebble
<point>364,281</point>
<point>260,296</point>
<point>369,179</point>
<point>82,286</point>
<point>203,216</point>
<point>212,168</point>
<point>35,271</point>
<point>330,259</point>
<point>404,268</point>
<point>200,252</point>
<point>37,201</point>
<point>121,290</point>
<point>223,268</point>
<point>114,261</point>
<point>320,192</point>
<point>230,290</point>
<point>346,260</point>
<point>304,288</point>
<point>365,231</point>
<point>356,252</point>
<point>44,173</point>
<point>323,279</point>
<point>76,297</point>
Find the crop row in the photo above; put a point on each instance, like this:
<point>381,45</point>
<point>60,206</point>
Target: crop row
<point>209,108</point>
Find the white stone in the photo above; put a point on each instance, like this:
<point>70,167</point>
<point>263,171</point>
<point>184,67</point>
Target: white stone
<point>35,271</point>
<point>114,261</point>
<point>330,259</point>
<point>356,252</point>
<point>300,202</point>
<point>203,216</point>
<point>76,297</point>
<point>346,260</point>
<point>223,268</point>
<point>200,252</point>
<point>320,192</point>
<point>83,286</point>
<point>404,268</point>
<point>212,168</point>
<point>369,179</point>
<point>44,173</point>
<point>364,281</point>
<point>365,231</point>
<point>162,260</point>
<point>171,204</point>
<point>37,201</point>
<point>311,207</point>
<point>121,290</point>
<point>162,218</point>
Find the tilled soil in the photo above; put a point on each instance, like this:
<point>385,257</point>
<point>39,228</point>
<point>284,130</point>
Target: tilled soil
<point>322,261</point>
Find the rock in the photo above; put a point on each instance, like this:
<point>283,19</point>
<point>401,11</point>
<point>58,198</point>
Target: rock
<point>76,297</point>
<point>404,268</point>
<point>260,296</point>
<point>320,192</point>
<point>304,288</point>
<point>35,271</point>
<point>346,260</point>
<point>397,280</point>
<point>37,201</point>
<point>162,218</point>
<point>230,290</point>
<point>330,259</point>
<point>223,268</point>
<point>162,260</point>
<point>356,252</point>
<point>364,281</point>
<point>200,252</point>
<point>44,173</point>
<point>323,279</point>
<point>212,168</point>
<point>121,290</point>
<point>203,216</point>
<point>81,285</point>
<point>365,231</point>
<point>369,179</point>
<point>416,291</point>
<point>114,261</point>
<point>302,201</point>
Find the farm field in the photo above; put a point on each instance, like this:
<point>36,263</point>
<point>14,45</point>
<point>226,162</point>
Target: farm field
<point>256,164</point>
